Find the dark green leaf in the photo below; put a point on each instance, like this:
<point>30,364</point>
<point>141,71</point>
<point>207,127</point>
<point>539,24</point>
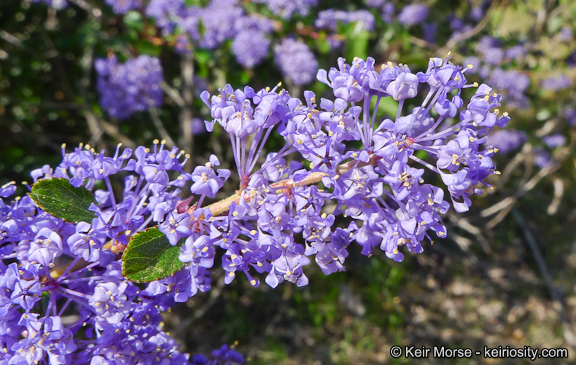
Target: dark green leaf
<point>149,48</point>
<point>59,198</point>
<point>150,256</point>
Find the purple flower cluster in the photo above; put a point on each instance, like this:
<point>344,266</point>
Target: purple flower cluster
<point>413,14</point>
<point>491,50</point>
<point>554,140</point>
<point>556,82</point>
<point>168,14</point>
<point>251,42</point>
<point>506,140</point>
<point>210,26</point>
<point>460,25</point>
<point>295,61</point>
<point>213,24</point>
<point>384,197</point>
<point>130,87</point>
<point>64,299</point>
<point>387,9</point>
<point>513,83</point>
<point>287,8</point>
<point>123,6</point>
<point>331,19</point>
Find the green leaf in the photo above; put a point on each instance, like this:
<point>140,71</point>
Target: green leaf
<point>148,48</point>
<point>133,20</point>
<point>150,256</point>
<point>59,198</point>
<point>322,45</point>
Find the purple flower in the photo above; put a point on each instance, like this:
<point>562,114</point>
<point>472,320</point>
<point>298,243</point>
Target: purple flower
<point>430,30</point>
<point>515,52</point>
<point>506,140</point>
<point>476,13</point>
<point>388,10</point>
<point>512,83</point>
<point>569,114</point>
<point>198,126</point>
<point>565,34</point>
<point>541,157</point>
<point>228,355</point>
<point>206,182</point>
<point>123,6</point>
<point>456,23</point>
<point>375,3</point>
<point>491,51</point>
<point>413,14</point>
<point>113,315</point>
<point>250,47</point>
<point>374,170</point>
<point>556,82</point>
<point>554,140</point>
<point>47,245</point>
<point>295,61</point>
<point>168,13</point>
<point>403,87</point>
<point>210,26</point>
<point>287,8</point>
<point>130,87</point>
<point>331,19</point>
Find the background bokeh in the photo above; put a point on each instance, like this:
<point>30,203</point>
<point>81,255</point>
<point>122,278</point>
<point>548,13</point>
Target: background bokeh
<point>505,274</point>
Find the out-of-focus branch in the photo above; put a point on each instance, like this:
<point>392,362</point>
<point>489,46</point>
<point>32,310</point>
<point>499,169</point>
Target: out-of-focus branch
<point>96,125</point>
<point>558,194</point>
<point>459,38</point>
<point>111,130</point>
<point>10,38</point>
<point>186,140</point>
<point>513,164</point>
<point>476,232</point>
<point>503,207</point>
<point>569,335</point>
<point>159,126</point>
<point>173,94</point>
<point>472,32</point>
<point>94,11</point>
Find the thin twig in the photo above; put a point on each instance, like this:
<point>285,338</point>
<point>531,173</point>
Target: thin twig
<point>513,164</point>
<point>173,94</point>
<point>558,194</point>
<point>113,131</point>
<point>10,38</point>
<point>529,185</point>
<point>94,126</point>
<point>88,8</point>
<point>186,138</point>
<point>472,32</point>
<point>464,224</point>
<point>159,126</point>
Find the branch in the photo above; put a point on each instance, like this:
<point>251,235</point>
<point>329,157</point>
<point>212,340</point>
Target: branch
<point>159,126</point>
<point>186,139</point>
<point>472,32</point>
<point>569,335</point>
